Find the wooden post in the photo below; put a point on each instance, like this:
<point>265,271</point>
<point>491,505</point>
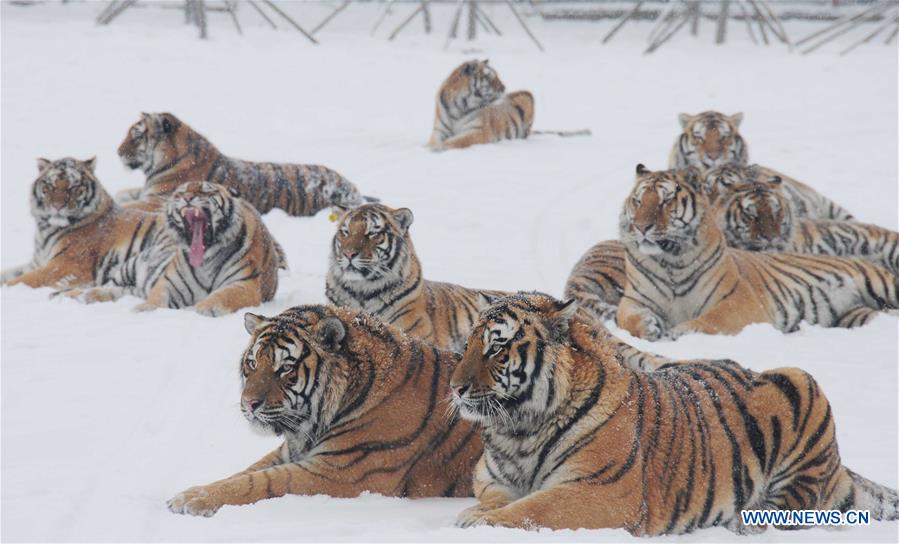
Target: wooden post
<point>721,33</point>
<point>623,20</point>
<point>330,17</point>
<point>849,25</point>
<point>405,22</point>
<point>662,37</point>
<point>483,14</point>
<point>524,25</point>
<point>262,14</point>
<point>231,6</point>
<point>289,20</point>
<point>872,35</point>
<point>200,7</point>
<point>696,10</point>
<point>426,12</point>
<point>454,28</point>
<point>747,21</point>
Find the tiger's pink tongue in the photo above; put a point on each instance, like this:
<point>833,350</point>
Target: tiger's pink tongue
<point>196,219</point>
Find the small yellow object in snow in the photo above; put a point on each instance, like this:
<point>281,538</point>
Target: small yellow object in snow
<point>332,217</point>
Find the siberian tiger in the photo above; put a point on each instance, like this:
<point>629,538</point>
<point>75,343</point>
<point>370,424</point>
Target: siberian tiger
<point>360,406</point>
<point>210,250</point>
<point>758,217</point>
<point>682,277</point>
<point>473,108</point>
<point>573,439</point>
<point>709,139</point>
<point>83,237</point>
<point>597,280</point>
<point>170,153</point>
<point>373,267</point>
<point>805,201</point>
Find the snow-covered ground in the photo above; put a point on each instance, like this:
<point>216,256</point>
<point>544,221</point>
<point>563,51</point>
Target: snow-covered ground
<point>106,414</point>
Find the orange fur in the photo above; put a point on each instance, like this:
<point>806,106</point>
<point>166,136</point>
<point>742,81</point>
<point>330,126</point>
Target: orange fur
<point>681,277</point>
<point>360,406</point>
<point>573,439</point>
<point>170,153</point>
<point>473,109</point>
<point>385,278</point>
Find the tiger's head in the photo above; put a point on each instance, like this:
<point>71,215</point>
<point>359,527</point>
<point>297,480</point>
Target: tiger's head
<point>711,139</point>
<point>757,217</point>
<point>719,182</point>
<point>663,212</point>
<point>294,369</point>
<point>472,85</point>
<point>65,192</point>
<point>511,373</point>
<point>372,245</point>
<point>203,217</point>
<point>153,141</point>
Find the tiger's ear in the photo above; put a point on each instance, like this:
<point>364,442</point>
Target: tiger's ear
<point>251,321</point>
<point>684,118</point>
<point>560,319</point>
<point>144,115</point>
<point>485,300</point>
<point>91,164</point>
<point>469,67</point>
<point>167,126</point>
<point>736,119</point>
<point>42,164</point>
<point>641,169</point>
<point>403,217</point>
<point>330,332</point>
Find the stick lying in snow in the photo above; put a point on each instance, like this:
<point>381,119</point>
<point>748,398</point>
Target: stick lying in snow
<point>565,133</point>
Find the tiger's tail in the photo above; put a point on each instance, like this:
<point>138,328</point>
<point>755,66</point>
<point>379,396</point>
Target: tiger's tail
<point>565,133</point>
<point>863,494</point>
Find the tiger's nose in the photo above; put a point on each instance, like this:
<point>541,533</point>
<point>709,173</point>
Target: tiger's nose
<point>349,253</point>
<point>644,228</point>
<point>253,404</point>
<point>460,390</point>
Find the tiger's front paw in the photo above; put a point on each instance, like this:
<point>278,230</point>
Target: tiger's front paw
<point>195,501</point>
<point>477,517</point>
<point>67,293</point>
<point>472,517</point>
<point>144,307</point>
<point>211,310</point>
<point>653,328</point>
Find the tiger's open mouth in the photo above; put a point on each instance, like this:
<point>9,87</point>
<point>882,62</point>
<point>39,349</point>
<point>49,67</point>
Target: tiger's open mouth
<point>197,222</point>
<point>654,247</point>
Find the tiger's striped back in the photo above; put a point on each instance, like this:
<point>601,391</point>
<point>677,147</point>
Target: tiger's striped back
<point>170,153</point>
<point>598,278</point>
<point>373,267</point>
<point>573,439</point>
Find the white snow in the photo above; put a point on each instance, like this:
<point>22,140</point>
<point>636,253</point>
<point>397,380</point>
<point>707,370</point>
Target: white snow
<point>106,413</point>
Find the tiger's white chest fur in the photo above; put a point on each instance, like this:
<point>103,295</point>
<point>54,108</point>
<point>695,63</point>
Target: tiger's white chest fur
<point>525,464</point>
